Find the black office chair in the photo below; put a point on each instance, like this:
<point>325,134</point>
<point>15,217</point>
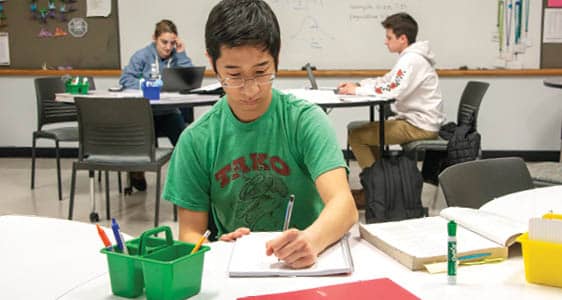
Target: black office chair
<point>473,183</point>
<point>51,112</point>
<point>116,135</point>
<point>469,107</point>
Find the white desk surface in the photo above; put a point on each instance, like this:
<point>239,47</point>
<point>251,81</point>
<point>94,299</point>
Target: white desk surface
<point>504,280</point>
<point>166,98</point>
<point>43,258</point>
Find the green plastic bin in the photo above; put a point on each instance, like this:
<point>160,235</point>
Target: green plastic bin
<point>125,272</point>
<point>79,88</point>
<point>163,267</point>
<point>172,272</point>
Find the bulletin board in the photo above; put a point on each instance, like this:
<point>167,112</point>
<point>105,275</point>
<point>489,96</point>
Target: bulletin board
<point>97,49</point>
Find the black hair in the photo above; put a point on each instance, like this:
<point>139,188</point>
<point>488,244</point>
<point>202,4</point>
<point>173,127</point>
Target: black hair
<point>402,23</point>
<point>234,23</point>
<point>165,26</point>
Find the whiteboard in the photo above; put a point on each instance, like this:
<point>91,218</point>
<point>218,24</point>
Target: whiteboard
<point>344,34</point>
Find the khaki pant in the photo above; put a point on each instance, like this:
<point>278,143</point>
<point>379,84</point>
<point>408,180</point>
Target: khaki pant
<point>364,140</point>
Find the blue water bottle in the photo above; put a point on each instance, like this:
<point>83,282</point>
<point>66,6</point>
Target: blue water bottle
<point>151,87</point>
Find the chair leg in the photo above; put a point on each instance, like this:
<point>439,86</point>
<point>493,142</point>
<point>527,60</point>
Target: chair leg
<point>58,169</point>
<point>157,203</point>
<point>120,186</point>
<point>107,194</point>
<point>72,188</point>
<point>33,142</point>
<point>94,217</point>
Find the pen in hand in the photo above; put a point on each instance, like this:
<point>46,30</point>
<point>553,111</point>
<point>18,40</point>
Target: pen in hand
<point>200,242</point>
<point>288,212</point>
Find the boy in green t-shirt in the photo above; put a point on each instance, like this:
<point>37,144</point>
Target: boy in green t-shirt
<point>238,164</point>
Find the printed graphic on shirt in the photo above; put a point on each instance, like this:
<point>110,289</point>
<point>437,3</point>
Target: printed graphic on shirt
<point>393,84</point>
<point>257,161</point>
<point>263,192</point>
<point>261,201</point>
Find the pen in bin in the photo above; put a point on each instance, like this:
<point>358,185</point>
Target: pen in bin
<point>200,242</point>
<point>104,238</point>
<point>118,236</point>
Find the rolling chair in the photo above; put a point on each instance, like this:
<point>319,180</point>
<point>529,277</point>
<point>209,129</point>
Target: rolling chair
<point>116,135</point>
<point>473,183</point>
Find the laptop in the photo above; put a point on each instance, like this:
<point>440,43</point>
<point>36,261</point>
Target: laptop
<point>182,79</point>
<point>312,79</point>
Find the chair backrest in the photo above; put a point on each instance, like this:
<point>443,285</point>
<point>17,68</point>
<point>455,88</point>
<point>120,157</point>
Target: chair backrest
<point>470,102</point>
<point>115,127</point>
<point>473,183</point>
<point>49,111</point>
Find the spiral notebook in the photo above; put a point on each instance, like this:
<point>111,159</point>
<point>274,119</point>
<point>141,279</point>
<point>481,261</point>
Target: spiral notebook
<point>248,259</point>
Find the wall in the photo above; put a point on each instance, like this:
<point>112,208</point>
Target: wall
<point>344,34</point>
<point>517,113</point>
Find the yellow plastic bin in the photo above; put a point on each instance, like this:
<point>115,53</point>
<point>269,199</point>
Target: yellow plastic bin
<point>543,261</point>
<point>172,272</point>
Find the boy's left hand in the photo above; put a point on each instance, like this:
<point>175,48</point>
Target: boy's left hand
<point>232,236</point>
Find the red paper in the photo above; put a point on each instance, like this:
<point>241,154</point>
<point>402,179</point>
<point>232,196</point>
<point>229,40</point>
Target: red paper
<point>382,289</point>
<point>554,3</point>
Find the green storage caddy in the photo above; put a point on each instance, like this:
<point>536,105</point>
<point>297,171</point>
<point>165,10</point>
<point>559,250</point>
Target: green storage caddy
<point>164,268</point>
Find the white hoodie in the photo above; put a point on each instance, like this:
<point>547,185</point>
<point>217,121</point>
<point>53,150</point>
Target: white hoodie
<point>414,84</point>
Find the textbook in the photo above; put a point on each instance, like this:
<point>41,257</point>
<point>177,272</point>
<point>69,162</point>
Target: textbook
<point>382,288</point>
<point>417,242</point>
<point>248,259</point>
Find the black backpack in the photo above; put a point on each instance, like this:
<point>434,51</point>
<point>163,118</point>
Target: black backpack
<point>393,188</point>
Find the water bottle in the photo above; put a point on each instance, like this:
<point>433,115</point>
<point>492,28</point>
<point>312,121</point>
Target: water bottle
<point>151,87</point>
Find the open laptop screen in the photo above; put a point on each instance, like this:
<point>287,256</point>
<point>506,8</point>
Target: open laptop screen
<point>182,79</point>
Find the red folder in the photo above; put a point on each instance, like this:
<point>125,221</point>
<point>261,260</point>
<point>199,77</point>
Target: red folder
<point>382,289</point>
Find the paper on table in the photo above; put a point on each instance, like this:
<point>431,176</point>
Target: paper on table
<point>248,259</point>
<point>314,96</point>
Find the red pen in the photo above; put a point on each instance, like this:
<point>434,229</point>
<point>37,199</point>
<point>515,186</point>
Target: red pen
<point>104,237</point>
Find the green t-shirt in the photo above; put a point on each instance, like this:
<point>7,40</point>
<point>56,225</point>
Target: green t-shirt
<point>245,172</point>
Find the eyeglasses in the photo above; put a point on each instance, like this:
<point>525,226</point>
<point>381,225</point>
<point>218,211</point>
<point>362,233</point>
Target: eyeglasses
<point>262,79</point>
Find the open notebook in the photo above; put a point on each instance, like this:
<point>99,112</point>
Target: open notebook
<point>417,242</point>
<point>248,259</point>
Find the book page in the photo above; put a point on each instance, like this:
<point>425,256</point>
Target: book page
<point>426,237</point>
<point>500,229</point>
<point>248,259</point>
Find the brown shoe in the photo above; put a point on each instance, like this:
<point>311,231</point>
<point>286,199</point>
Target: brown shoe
<point>359,197</point>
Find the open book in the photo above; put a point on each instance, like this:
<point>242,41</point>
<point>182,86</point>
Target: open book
<point>248,259</point>
<point>417,242</point>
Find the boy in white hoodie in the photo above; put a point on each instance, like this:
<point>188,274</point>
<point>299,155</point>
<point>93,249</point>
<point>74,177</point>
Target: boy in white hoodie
<point>413,82</point>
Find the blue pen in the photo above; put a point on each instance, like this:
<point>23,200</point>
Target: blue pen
<point>118,236</point>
